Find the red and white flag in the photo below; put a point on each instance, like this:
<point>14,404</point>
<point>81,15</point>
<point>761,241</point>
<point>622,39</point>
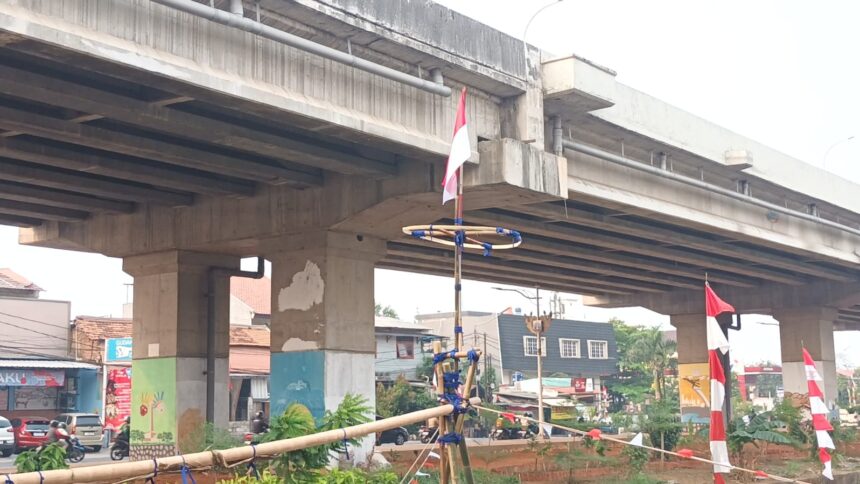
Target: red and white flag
<point>460,152</point>
<point>819,414</point>
<point>717,343</point>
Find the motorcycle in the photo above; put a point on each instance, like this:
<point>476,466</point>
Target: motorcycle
<point>252,438</point>
<point>427,434</point>
<point>75,452</point>
<point>512,433</point>
<point>119,449</point>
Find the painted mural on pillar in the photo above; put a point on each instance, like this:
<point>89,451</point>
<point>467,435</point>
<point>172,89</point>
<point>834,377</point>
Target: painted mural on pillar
<point>153,405</point>
<point>695,392</point>
<point>298,377</point>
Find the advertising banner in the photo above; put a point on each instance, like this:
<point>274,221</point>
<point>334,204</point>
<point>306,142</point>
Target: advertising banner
<point>117,397</point>
<point>117,350</point>
<point>32,378</point>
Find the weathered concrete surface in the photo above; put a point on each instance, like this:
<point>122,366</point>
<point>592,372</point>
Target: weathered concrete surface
<point>170,323</point>
<point>810,328</point>
<point>573,86</point>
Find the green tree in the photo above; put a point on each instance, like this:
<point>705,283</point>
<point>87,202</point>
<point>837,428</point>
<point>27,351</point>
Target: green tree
<point>386,311</point>
<point>488,382</point>
<point>400,398</point>
<point>652,352</point>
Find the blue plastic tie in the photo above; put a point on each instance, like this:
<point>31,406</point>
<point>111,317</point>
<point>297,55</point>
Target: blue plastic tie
<point>345,444</point>
<point>418,234</point>
<point>500,230</point>
<point>9,479</point>
<point>458,329</point>
<point>487,248</point>
<point>458,221</point>
<point>453,354</point>
<point>473,356</point>
<point>450,438</point>
<point>439,358</point>
<point>42,478</point>
<point>252,466</point>
<point>460,238</point>
<point>185,472</point>
<point>459,403</point>
<point>516,235</point>
<point>154,472</point>
<point>451,380</point>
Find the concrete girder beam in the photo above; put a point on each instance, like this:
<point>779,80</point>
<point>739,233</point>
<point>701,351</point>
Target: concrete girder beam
<point>585,236</point>
<point>35,87</point>
<point>121,167</point>
<point>59,198</point>
<point>676,238</point>
<point>608,184</point>
<point>760,300</point>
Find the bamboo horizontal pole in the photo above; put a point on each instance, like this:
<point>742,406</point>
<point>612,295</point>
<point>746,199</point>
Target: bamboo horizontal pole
<point>459,354</point>
<point>202,460</point>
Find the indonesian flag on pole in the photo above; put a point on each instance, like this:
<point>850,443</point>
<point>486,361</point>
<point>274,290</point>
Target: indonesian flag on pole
<point>460,152</point>
<point>717,343</point>
<point>819,414</point>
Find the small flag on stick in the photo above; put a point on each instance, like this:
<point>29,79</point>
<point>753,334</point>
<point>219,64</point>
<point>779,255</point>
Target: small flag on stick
<point>460,152</point>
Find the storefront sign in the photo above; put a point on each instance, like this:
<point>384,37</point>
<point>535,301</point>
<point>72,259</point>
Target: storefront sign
<point>563,413</point>
<point>117,397</point>
<point>579,385</point>
<point>117,349</point>
<point>32,378</point>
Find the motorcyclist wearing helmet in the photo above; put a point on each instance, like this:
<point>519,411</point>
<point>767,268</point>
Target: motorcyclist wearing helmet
<point>52,431</point>
<point>62,435</point>
<point>259,425</point>
<point>124,430</point>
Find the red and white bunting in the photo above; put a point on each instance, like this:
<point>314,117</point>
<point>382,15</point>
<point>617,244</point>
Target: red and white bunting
<point>819,414</point>
<point>717,343</point>
<point>460,152</point>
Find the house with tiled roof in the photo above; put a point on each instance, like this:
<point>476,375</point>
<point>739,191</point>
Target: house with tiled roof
<point>250,301</point>
<point>13,284</point>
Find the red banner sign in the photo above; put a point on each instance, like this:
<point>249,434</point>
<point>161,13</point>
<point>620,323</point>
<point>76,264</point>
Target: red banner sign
<point>117,397</point>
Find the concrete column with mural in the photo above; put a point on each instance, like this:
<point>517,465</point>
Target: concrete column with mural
<point>810,327</point>
<point>168,402</point>
<point>693,370</point>
<point>323,343</point>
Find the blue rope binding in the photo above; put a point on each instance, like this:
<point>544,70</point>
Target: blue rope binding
<point>345,444</point>
<point>473,356</point>
<point>154,472</point>
<point>450,438</point>
<point>9,479</point>
<point>252,466</point>
<point>488,248</point>
<point>186,474</point>
<point>458,330</point>
<point>451,380</point>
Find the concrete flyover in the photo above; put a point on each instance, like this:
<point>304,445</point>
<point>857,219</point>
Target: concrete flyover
<point>180,144</point>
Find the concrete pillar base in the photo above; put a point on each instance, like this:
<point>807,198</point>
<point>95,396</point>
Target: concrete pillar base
<point>323,343</point>
<point>812,328</point>
<point>169,366</point>
<point>693,370</point>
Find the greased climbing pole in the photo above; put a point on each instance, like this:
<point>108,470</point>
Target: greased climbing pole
<point>447,363</point>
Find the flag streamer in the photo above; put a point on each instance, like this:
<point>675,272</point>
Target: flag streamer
<point>819,415</point>
<point>717,343</point>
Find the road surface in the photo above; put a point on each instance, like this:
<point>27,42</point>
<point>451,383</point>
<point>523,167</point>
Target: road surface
<point>7,464</point>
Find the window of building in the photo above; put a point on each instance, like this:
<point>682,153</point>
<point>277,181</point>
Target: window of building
<point>598,350</point>
<point>530,346</point>
<point>569,348</point>
<point>405,347</point>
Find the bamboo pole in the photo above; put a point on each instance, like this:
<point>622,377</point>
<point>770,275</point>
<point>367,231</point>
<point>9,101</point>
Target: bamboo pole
<point>444,465</point>
<point>458,427</point>
<point>200,460</point>
<point>461,354</point>
<point>437,369</point>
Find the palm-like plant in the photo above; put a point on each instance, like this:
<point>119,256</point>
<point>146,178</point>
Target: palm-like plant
<point>654,353</point>
<point>762,429</point>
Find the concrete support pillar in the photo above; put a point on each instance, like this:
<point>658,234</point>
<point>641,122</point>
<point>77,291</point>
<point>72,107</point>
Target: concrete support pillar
<point>323,343</point>
<point>811,327</point>
<point>171,315</point>
<point>693,370</point>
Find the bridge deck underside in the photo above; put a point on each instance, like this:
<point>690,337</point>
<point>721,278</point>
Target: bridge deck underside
<point>80,136</point>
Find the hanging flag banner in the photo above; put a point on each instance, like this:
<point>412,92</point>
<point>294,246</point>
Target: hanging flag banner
<point>460,152</point>
<point>637,439</point>
<point>819,414</point>
<point>717,344</point>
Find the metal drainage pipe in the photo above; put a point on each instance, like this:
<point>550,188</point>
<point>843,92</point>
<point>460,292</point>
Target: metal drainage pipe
<point>605,155</point>
<point>257,28</point>
<point>212,277</point>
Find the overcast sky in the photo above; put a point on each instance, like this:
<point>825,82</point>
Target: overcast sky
<point>781,72</point>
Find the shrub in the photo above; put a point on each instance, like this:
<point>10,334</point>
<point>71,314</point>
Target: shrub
<point>48,458</point>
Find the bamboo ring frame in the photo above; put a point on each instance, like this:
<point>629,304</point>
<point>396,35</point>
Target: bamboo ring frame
<point>447,233</point>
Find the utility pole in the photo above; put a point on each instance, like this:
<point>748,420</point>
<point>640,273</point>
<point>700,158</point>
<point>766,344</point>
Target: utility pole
<point>486,375</point>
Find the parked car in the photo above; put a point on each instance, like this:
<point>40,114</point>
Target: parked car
<point>7,437</point>
<point>87,427</point>
<point>397,435</point>
<point>30,432</point>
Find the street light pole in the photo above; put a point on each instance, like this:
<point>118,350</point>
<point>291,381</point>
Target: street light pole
<point>834,145</point>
